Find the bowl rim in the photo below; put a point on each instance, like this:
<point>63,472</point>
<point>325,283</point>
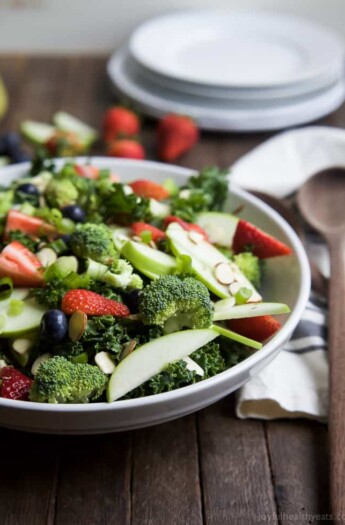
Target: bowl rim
<point>244,366</point>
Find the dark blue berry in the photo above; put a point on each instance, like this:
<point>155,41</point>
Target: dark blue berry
<point>10,145</point>
<point>66,238</point>
<point>74,212</point>
<point>131,299</point>
<point>54,326</point>
<point>28,188</point>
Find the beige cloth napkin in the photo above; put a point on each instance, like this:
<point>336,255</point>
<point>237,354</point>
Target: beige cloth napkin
<point>295,384</point>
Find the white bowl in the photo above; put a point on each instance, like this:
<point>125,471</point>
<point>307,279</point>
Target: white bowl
<point>288,281</point>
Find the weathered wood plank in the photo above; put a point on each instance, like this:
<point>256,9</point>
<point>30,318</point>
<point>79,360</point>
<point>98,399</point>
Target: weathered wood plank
<point>28,463</point>
<point>165,485</point>
<point>299,462</point>
<point>235,471</point>
<point>94,480</point>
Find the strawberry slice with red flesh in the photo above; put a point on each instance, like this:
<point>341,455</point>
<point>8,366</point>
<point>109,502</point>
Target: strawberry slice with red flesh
<point>91,172</point>
<point>92,303</point>
<point>139,227</point>
<point>87,172</point>
<point>32,226</point>
<point>149,189</point>
<point>258,328</point>
<point>260,243</point>
<point>189,226</point>
<point>17,262</point>
<point>15,385</point>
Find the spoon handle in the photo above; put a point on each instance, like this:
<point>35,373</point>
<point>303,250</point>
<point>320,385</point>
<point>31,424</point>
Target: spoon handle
<point>337,373</point>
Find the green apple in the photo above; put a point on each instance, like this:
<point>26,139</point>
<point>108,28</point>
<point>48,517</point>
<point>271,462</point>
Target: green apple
<point>226,309</point>
<point>27,320</point>
<point>66,122</point>
<point>150,359</point>
<point>147,260</point>
<point>204,259</point>
<point>36,132</point>
<point>220,227</point>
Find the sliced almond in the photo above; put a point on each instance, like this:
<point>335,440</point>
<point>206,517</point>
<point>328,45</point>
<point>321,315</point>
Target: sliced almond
<point>153,245</point>
<point>195,237</point>
<point>136,238</point>
<point>3,364</point>
<point>22,346</point>
<point>224,273</point>
<point>105,362</point>
<point>37,363</point>
<point>234,287</point>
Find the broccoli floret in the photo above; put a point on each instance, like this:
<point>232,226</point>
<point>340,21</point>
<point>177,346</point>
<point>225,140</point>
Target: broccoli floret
<point>120,275</point>
<point>250,266</point>
<point>58,380</point>
<point>175,302</point>
<point>94,241</point>
<point>60,193</point>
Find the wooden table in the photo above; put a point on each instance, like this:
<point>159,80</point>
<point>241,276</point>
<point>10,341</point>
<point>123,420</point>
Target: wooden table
<point>205,468</point>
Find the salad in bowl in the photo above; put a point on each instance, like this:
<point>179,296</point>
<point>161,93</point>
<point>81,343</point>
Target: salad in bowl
<point>113,289</point>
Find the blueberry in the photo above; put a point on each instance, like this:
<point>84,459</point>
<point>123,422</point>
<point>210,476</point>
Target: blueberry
<point>131,299</point>
<point>54,326</point>
<point>66,238</point>
<point>29,189</point>
<point>74,212</point>
<point>10,145</point>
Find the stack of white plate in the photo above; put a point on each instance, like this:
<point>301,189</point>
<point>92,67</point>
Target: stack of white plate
<point>235,71</point>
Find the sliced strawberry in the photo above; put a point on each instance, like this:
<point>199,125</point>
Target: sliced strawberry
<point>258,328</point>
<point>120,121</point>
<point>189,226</point>
<point>126,149</point>
<point>149,189</point>
<point>176,134</point>
<point>87,171</point>
<point>92,303</point>
<point>261,244</point>
<point>14,384</point>
<point>91,172</point>
<point>33,226</point>
<point>17,262</point>
<point>139,227</point>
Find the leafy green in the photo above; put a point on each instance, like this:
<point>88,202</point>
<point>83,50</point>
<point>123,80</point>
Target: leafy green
<point>123,208</point>
<point>206,191</point>
<point>17,235</point>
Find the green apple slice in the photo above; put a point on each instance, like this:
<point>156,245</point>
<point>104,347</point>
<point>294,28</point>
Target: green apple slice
<point>120,236</point>
<point>66,122</point>
<point>28,320</point>
<point>229,334</point>
<point>147,260</point>
<point>225,309</point>
<point>204,260</point>
<point>36,132</point>
<point>220,227</point>
<point>150,359</point>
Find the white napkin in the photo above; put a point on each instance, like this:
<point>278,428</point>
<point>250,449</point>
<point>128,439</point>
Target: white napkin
<point>295,384</point>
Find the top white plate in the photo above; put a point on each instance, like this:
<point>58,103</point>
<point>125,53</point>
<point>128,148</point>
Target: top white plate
<point>236,49</point>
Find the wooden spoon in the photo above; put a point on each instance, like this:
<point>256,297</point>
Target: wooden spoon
<point>321,200</point>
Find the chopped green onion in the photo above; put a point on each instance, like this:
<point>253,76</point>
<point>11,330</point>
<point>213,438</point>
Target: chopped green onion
<point>15,307</point>
<point>81,358</point>
<point>146,236</point>
<point>28,208</point>
<point>6,287</point>
<point>243,294</point>
<point>59,246</point>
<point>183,264</point>
<point>171,186</point>
<point>104,174</point>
